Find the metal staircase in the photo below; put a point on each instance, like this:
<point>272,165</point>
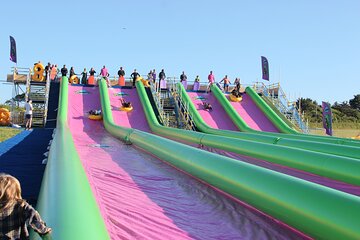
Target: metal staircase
<point>187,122</point>
<point>274,94</point>
<point>38,92</point>
<point>167,104</point>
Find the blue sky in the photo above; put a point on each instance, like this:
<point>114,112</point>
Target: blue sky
<point>312,46</point>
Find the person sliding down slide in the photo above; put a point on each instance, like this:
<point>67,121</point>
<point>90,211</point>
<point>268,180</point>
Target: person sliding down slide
<point>125,104</point>
<point>207,106</point>
<point>95,112</point>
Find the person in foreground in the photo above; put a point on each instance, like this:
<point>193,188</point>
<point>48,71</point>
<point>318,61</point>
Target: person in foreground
<point>16,215</point>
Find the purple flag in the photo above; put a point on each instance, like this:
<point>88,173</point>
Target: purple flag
<point>327,118</point>
<point>13,50</point>
<point>265,68</point>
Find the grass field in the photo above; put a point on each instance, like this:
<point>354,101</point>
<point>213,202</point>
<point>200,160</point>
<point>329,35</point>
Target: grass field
<point>345,133</point>
<point>6,132</point>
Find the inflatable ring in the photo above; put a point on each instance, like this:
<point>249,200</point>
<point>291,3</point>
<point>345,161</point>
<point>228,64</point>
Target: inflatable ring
<point>38,72</point>
<point>145,82</point>
<point>356,137</point>
<point>95,117</point>
<point>74,79</point>
<point>4,117</point>
<point>235,99</point>
<point>91,80</point>
<point>126,109</point>
<point>121,81</point>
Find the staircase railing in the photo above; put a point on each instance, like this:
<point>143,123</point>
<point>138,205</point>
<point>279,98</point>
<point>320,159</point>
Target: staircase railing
<point>184,109</point>
<point>184,120</point>
<point>47,90</point>
<point>276,95</point>
<point>157,99</point>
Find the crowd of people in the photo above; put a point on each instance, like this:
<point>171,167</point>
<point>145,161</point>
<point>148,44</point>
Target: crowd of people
<point>88,77</point>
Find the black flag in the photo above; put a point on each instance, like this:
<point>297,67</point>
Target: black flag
<point>265,68</point>
<point>13,50</point>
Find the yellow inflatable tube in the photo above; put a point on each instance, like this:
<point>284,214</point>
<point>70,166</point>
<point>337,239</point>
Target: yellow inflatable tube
<point>95,117</point>
<point>235,99</point>
<point>74,79</point>
<point>126,109</point>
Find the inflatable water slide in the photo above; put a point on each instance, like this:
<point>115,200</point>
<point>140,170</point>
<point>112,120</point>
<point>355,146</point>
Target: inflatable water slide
<point>217,122</point>
<point>254,108</point>
<point>146,186</point>
<point>97,187</point>
<point>326,169</point>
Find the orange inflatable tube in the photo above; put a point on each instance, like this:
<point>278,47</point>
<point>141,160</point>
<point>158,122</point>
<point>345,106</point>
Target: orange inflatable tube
<point>91,80</point>
<point>4,117</point>
<point>38,72</point>
<point>121,81</point>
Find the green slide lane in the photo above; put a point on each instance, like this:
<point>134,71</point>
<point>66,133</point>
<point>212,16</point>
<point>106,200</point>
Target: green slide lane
<point>324,215</point>
<point>66,201</point>
<point>277,121</point>
<point>335,167</point>
<point>289,140</point>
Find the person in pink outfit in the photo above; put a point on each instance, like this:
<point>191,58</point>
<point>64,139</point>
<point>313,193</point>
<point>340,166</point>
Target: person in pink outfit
<point>104,73</point>
<point>211,79</point>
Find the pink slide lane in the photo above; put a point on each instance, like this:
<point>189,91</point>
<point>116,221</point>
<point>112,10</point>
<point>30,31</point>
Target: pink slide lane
<point>141,197</point>
<point>216,118</point>
<point>134,119</point>
<point>252,115</point>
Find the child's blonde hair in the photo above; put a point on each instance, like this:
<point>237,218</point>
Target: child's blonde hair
<point>10,190</point>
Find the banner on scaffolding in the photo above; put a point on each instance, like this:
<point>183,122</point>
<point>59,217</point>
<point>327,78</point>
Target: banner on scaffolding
<point>327,118</point>
<point>265,68</point>
<point>13,50</point>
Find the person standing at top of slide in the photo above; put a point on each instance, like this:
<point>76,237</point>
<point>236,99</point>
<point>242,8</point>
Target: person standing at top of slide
<point>211,79</point>
<point>134,76</point>
<point>121,72</point>
<point>104,73</point>
<point>183,79</point>
<point>226,81</point>
<point>84,76</point>
<point>162,82</point>
<point>64,71</point>
<point>121,79</point>
<point>154,75</point>
<point>72,72</point>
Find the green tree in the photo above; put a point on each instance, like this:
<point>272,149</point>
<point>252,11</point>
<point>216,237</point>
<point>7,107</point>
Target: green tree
<point>355,102</point>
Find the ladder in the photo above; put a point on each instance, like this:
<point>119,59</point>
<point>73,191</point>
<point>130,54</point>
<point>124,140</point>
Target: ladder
<point>38,92</point>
